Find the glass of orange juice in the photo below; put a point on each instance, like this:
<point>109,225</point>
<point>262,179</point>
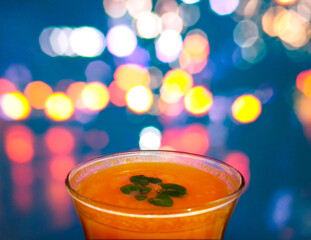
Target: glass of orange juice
<point>154,195</point>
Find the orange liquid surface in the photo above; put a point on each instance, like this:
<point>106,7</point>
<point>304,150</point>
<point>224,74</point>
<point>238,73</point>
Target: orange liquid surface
<point>202,187</point>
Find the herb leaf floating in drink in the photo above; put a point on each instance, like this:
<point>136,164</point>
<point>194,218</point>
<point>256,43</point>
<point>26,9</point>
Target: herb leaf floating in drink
<point>164,191</point>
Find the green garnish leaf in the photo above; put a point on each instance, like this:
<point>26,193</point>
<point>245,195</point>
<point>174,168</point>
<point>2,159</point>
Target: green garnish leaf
<point>145,189</point>
<point>154,180</point>
<point>173,190</point>
<point>140,180</point>
<point>127,189</point>
<point>162,200</point>
<point>140,197</point>
<point>141,190</point>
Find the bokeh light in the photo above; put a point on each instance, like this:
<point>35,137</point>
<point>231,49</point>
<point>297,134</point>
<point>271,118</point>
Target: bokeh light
<point>198,100</point>
<point>150,138</point>
<point>246,108</point>
<point>195,52</point>
<point>172,21</point>
<point>74,93</point>
<point>117,95</point>
<point>95,96</point>
<point>128,75</point>
<point>87,42</point>
<point>240,161</point>
<point>285,2</point>
<point>303,82</point>
<point>176,83</point>
<point>58,201</point>
<point>59,140</point>
<point>302,110</point>
<point>224,7</point>
<point>139,99</point>
<point>59,107</point>
<point>135,7</point>
<point>19,143</point>
<point>96,139</point>
<point>115,9</point>
<point>59,41</point>
<point>148,25</point>
<point>193,138</point>
<point>170,109</point>
<point>37,93</point>
<point>15,105</point>
<point>245,33</point>
<point>60,165</point>
<point>121,41</point>
<point>168,46</point>
<point>6,86</point>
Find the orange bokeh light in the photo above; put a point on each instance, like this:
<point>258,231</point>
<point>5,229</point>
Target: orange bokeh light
<point>198,100</point>
<point>129,75</point>
<point>37,93</point>
<point>195,53</point>
<point>19,143</point>
<point>74,93</point>
<point>246,109</point>
<point>303,82</point>
<point>59,140</point>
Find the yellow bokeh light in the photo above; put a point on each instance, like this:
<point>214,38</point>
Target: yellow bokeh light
<point>59,107</point>
<point>175,84</point>
<point>95,96</point>
<point>130,75</point>
<point>198,100</point>
<point>285,2</point>
<point>139,99</point>
<point>15,106</point>
<point>37,92</point>
<point>246,108</point>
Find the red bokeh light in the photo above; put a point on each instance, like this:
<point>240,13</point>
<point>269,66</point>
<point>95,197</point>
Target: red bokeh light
<point>59,140</point>
<point>240,161</point>
<point>194,139</point>
<point>60,166</point>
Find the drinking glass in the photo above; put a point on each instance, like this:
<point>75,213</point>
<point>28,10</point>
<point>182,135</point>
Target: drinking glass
<point>106,221</point>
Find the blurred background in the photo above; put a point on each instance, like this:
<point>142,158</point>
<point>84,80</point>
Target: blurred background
<point>230,79</point>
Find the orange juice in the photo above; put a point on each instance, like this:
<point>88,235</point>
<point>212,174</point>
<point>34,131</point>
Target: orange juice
<point>202,212</point>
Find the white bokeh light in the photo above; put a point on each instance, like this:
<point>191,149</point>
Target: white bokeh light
<point>148,25</point>
<point>87,42</point>
<point>121,41</point>
<point>150,139</point>
<point>168,46</point>
<point>59,40</point>
<point>224,7</point>
<point>139,99</point>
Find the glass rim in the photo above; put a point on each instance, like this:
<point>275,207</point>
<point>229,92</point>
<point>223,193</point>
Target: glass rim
<point>138,212</point>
